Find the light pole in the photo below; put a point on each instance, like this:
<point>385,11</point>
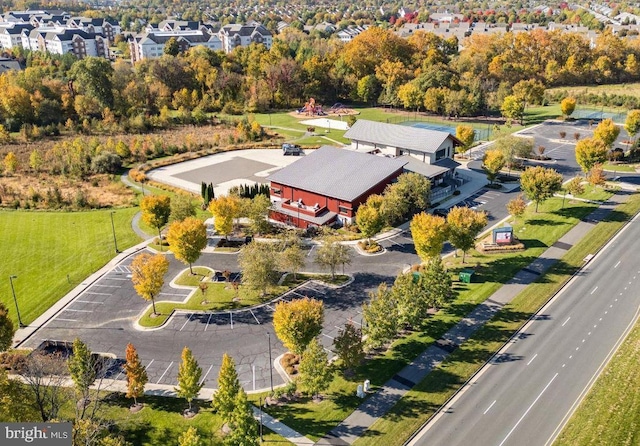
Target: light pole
<point>16,301</point>
<point>113,228</point>
<point>270,362</point>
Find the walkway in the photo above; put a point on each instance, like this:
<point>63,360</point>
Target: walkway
<point>135,222</point>
<point>393,390</point>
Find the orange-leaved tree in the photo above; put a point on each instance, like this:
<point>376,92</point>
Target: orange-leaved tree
<point>136,374</point>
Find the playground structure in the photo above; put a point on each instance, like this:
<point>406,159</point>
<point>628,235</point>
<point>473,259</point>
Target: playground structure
<point>311,108</point>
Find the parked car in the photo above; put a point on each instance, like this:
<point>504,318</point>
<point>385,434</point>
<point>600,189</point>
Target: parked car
<point>291,149</point>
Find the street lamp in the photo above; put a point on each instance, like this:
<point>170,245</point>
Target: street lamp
<point>16,301</point>
<point>113,228</point>
<point>270,361</point>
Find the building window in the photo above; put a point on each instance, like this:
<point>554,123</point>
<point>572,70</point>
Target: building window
<point>275,191</point>
<point>343,210</point>
<point>441,154</point>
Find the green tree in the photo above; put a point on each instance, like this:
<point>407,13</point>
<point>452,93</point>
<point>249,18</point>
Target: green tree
<point>82,368</point>
<point>189,374</point>
<point>257,212</point>
<point>92,77</point>
<point>224,210</point>
<point>513,108</point>
<point>464,224</point>
<point>156,210</point>
<point>292,259</point>
<point>297,322</point>
<point>171,47</point>
<point>330,254</point>
<point>315,371</point>
<point>181,207</point>
<point>429,233</point>
<point>380,317</point>
<point>35,160</point>
<point>466,135</point>
<point>607,132</point>
<point>369,220</point>
<point>349,346</point>
<point>136,374</point>
<point>187,239</point>
<point>16,405</point>
<point>415,190</point>
<point>539,184</point>
<point>492,163</point>
<point>567,106</point>
<point>413,299</point>
<point>258,262</point>
<point>189,437</point>
<point>228,387</point>
<point>513,147</point>
<point>368,88</point>
<point>411,96</point>
<point>7,329</point>
<point>517,206</point>
<point>437,280</point>
<point>589,152</point>
<point>147,275</point>
<point>632,123</point>
<point>244,430</point>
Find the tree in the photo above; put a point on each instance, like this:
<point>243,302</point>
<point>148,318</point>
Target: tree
<point>517,206</point>
<point>147,275</point>
<point>7,329</point>
<point>437,280</point>
<point>257,213</point>
<point>539,183</point>
<point>492,163</point>
<point>466,135</point>
<point>156,210</point>
<point>348,346</point>
<point>244,430</point>
<point>330,254</point>
<point>189,437</point>
<point>45,376</point>
<point>16,405</point>
<point>369,220</point>
<point>412,298</point>
<point>189,374</point>
<point>429,233</point>
<point>171,47</point>
<point>411,96</point>
<point>607,132</point>
<point>292,259</point>
<point>567,106</point>
<point>10,162</point>
<point>589,152</point>
<point>224,210</point>
<point>513,108</point>
<point>83,371</point>
<point>596,176</point>
<point>315,371</point>
<point>258,262</point>
<point>380,317</point>
<point>187,239</point>
<point>368,88</point>
<point>297,322</point>
<point>35,160</point>
<point>514,147</point>
<point>136,374</point>
<point>228,387</point>
<point>464,224</point>
<point>92,77</point>
<point>575,187</point>
<point>632,123</point>
<point>181,207</point>
<point>414,190</point>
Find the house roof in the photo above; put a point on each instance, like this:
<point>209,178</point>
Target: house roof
<point>417,166</point>
<point>337,173</point>
<point>401,136</point>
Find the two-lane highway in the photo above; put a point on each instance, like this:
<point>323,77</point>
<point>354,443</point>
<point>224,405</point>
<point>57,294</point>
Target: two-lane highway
<point>528,392</point>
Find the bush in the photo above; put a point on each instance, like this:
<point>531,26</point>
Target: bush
<point>289,359</point>
<point>106,162</point>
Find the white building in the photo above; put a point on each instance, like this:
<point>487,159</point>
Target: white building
<point>11,34</point>
<point>57,40</point>
<point>151,45</point>
<point>349,33</point>
<point>235,35</point>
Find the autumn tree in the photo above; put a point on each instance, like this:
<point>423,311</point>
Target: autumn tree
<point>492,162</point>
<point>82,368</point>
<point>315,371</point>
<point>517,206</point>
<point>189,374</point>
<point>513,147</point>
<point>567,106</point>
<point>414,190</point>
<point>45,376</point>
<point>92,77</point>
<point>369,220</point>
<point>464,224</point>
<point>466,135</point>
<point>181,207</point>
<point>228,386</point>
<point>171,47</point>
<point>429,233</point>
<point>330,254</point>
<point>411,96</point>
<point>513,108</point>
<point>575,187</point>
<point>348,346</point>
<point>297,322</point>
<point>35,160</point>
<point>7,329</point>
<point>10,162</point>
<point>607,132</point>
<point>189,437</point>
<point>257,212</point>
<point>539,183</point>
<point>187,239</point>
<point>224,210</point>
<point>380,316</point>
<point>589,152</point>
<point>596,176</point>
<point>156,210</point>
<point>292,259</point>
<point>136,374</point>
<point>147,275</point>
<point>16,405</point>
<point>632,123</point>
<point>258,262</point>
<point>244,430</point>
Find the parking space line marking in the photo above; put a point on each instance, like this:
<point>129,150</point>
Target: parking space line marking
<point>205,375</point>
<point>89,302</point>
<point>107,286</point>
<point>187,321</point>
<point>254,316</point>
<point>231,317</point>
<point>119,374</point>
<point>115,278</point>
<point>311,250</point>
<point>99,294</point>
<point>208,320</point>
<point>270,307</point>
<point>66,320</point>
<point>79,311</point>
<point>149,364</point>
<point>326,335</point>
<point>357,323</point>
<point>173,294</point>
<point>165,372</point>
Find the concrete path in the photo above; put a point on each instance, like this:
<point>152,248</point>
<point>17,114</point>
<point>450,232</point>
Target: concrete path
<point>284,431</point>
<point>393,390</point>
<point>135,222</point>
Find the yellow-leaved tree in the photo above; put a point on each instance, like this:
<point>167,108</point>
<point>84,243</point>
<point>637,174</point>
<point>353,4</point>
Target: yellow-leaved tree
<point>464,225</point>
<point>187,239</point>
<point>466,135</point>
<point>589,152</point>
<point>147,275</point>
<point>429,233</point>
<point>156,210</point>
<point>607,132</point>
<point>567,106</point>
<point>224,210</point>
<point>297,322</point>
<point>492,162</point>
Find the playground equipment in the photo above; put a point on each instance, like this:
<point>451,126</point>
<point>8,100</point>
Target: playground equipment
<point>311,109</point>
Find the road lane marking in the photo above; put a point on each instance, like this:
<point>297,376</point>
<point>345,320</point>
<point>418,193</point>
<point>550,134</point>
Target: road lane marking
<point>527,411</point>
<point>594,290</point>
<point>531,360</point>
<point>149,364</point>
<point>617,264</point>
<point>583,340</point>
<point>165,372</point>
<point>208,320</point>
<point>205,375</point>
<point>589,334</point>
<point>311,250</point>
<point>116,278</point>
<point>66,320</point>
<point>187,321</point>
<point>563,365</point>
<point>488,408</point>
<point>577,348</point>
<point>566,321</point>
<point>605,312</point>
<point>254,316</point>
<point>570,356</point>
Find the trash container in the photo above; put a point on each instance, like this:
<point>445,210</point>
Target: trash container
<point>466,275</point>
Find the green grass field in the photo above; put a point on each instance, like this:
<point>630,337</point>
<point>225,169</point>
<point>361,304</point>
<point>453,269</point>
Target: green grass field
<point>632,89</point>
<point>44,248</point>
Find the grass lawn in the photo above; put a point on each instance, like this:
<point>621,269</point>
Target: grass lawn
<point>45,248</point>
<point>619,167</point>
<point>595,193</point>
<point>632,89</point>
<point>540,231</point>
<point>424,399</point>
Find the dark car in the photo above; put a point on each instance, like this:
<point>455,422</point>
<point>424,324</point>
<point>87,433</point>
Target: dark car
<point>441,212</point>
<point>291,149</point>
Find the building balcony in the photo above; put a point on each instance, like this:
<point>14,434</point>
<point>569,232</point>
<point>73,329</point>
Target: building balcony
<point>299,207</point>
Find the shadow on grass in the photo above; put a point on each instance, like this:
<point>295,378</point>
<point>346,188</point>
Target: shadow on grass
<point>577,212</point>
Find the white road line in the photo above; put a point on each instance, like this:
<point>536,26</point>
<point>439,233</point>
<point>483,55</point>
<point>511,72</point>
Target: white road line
<point>149,364</point>
<point>270,307</point>
<point>108,286</point>
<point>231,316</point>
<point>488,408</point>
<point>254,316</point>
<point>527,411</point>
<point>79,311</point>
<point>165,372</point>
<point>119,375</point>
<point>115,278</point>
<point>531,360</point>
<point>205,375</point>
<point>89,302</point>
<point>617,264</point>
<point>187,321</point>
<point>357,323</point>
<point>326,335</point>
<point>66,320</point>
<point>208,320</point>
<point>594,290</point>
<point>589,334</point>
<point>311,250</point>
<point>566,321</point>
<point>99,294</point>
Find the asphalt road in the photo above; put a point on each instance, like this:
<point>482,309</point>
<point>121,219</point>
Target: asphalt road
<point>527,393</point>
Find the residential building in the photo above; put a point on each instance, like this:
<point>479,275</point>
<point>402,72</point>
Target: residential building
<point>235,35</point>
<point>350,32</point>
<point>107,28</point>
<point>151,45</point>
<point>11,34</point>
<point>61,41</point>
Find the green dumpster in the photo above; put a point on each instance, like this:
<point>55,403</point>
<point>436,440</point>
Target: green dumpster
<point>466,275</point>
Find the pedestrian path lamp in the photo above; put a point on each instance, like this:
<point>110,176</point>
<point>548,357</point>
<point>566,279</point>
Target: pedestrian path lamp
<point>270,362</point>
<point>13,290</point>
<point>113,228</point>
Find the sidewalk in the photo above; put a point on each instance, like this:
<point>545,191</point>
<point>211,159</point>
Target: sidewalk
<point>378,404</point>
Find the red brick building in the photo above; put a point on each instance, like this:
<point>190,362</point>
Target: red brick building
<point>328,185</point>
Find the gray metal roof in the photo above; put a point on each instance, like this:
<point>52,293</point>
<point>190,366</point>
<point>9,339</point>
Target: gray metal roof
<point>417,166</point>
<point>401,136</point>
<point>337,173</point>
